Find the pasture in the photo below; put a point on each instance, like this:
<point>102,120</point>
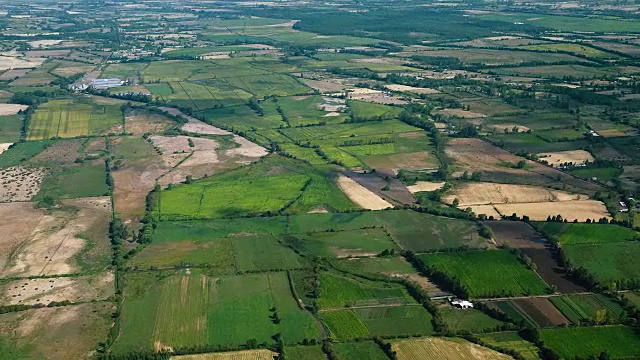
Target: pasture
<point>491,273</point>
<point>166,310</point>
<point>619,342</point>
<point>573,234</point>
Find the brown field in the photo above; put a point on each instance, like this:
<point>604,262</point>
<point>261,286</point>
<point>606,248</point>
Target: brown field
<point>488,210</point>
<point>425,186</point>
<point>570,210</point>
<point>417,90</point>
<point>476,155</point>
<point>11,109</point>
<point>45,290</point>
<point>500,128</point>
<point>20,183</point>
<point>10,62</point>
<point>58,333</point>
<point>395,190</point>
<point>261,354</point>
<point>571,156</point>
<point>63,152</point>
<point>542,311</point>
<point>51,244</point>
<point>459,113</point>
<point>392,163</point>
<point>484,193</point>
<point>198,127</point>
<point>374,96</point>
<point>443,349</point>
<point>324,86</point>
<point>360,195</point>
<point>46,53</point>
<point>139,122</point>
<point>522,236</point>
<point>13,74</point>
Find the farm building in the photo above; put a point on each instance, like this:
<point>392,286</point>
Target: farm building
<point>103,84</point>
<point>463,304</point>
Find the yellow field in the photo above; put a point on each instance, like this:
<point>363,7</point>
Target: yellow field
<point>444,349</point>
<point>261,354</point>
<point>485,193</point>
<point>580,210</point>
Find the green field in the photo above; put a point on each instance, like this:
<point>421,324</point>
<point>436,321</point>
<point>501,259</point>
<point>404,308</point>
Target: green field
<point>346,243</point>
<point>376,265</point>
<point>22,151</point>
<point>468,320</point>
<point>512,341</point>
<point>495,273</point>
<point>573,234</point>
<point>339,291</point>
<point>620,342</point>
<point>10,128</point>
<point>607,262</point>
<point>377,321</point>
<point>602,174</point>
<point>359,350</point>
<point>86,180</point>
<point>305,353</point>
<point>361,109</point>
<point>590,308</point>
<point>180,310</point>
<point>72,118</point>
<point>633,297</point>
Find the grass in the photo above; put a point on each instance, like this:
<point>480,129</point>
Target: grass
<point>471,320</point>
<point>339,291</point>
<point>570,343</point>
<point>21,152</point>
<point>86,180</point>
<point>361,242</point>
<point>72,118</point>
<point>359,350</point>
<point>602,174</point>
<point>607,262</point>
<point>411,230</point>
<point>305,353</point>
<point>10,128</point>
<point>512,341</point>
<point>495,273</point>
<point>362,109</point>
<point>573,234</point>
<point>590,307</point>
<point>180,310</point>
<point>260,253</point>
<point>633,297</point>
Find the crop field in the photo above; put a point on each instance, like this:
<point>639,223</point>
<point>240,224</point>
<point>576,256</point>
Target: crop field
<point>345,243</point>
<point>71,118</point>
<point>367,322</point>
<point>589,307</point>
<point>533,312</point>
<point>10,126</point>
<point>493,273</point>
<point>480,193</point>
<point>591,341</point>
<point>261,354</point>
<point>468,320</point>
<point>606,262</point>
<point>410,230</point>
<point>533,144</point>
<point>243,118</point>
<point>512,341</point>
<point>187,310</point>
<point>572,48</point>
<point>572,234</point>
<point>339,291</point>
<point>443,348</point>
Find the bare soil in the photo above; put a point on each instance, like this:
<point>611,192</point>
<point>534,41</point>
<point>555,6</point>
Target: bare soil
<point>561,157</point>
<point>425,186</point>
<point>140,122</point>
<point>542,311</point>
<point>20,183</point>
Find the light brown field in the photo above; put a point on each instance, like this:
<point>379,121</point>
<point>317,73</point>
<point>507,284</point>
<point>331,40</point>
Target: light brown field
<point>13,74</point>
<point>494,164</point>
<point>52,245</point>
<point>46,53</point>
<point>571,156</point>
<point>10,62</point>
<point>460,113</point>
<point>417,90</point>
<point>46,290</point>
<point>443,349</point>
<point>570,210</point>
<point>502,127</point>
<point>483,193</point>
<point>487,210</point>
<point>11,109</point>
<point>261,354</point>
<point>58,333</point>
<point>408,161</point>
<point>4,147</point>
<point>139,122</point>
<point>324,86</point>
<point>360,195</point>
<point>374,96</point>
<point>20,183</point>
<point>425,186</point>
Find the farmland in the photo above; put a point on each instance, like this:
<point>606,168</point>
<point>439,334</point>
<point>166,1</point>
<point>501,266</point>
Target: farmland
<point>484,273</point>
<point>311,180</point>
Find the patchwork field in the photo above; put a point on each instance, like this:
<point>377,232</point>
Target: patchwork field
<point>195,310</point>
<point>532,312</point>
<point>589,307</point>
<point>74,117</point>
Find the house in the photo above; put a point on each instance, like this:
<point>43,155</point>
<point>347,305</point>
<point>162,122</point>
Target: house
<point>103,84</point>
<point>463,304</point>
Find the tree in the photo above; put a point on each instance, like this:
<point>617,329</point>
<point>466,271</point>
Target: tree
<point>456,202</point>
